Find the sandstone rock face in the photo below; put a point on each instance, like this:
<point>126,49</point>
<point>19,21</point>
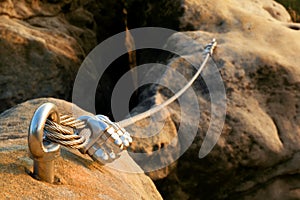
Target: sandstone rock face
<point>293,8</point>
<point>256,156</point>
<point>77,176</point>
<point>42,44</point>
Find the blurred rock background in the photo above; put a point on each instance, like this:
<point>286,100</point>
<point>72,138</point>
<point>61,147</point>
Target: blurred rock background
<point>293,7</point>
<point>256,156</point>
<point>42,44</point>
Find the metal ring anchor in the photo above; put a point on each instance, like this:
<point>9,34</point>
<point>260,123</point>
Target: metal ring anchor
<point>43,152</point>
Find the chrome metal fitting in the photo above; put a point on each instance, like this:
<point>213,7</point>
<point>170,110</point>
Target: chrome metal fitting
<point>106,139</point>
<point>209,49</point>
<point>43,152</point>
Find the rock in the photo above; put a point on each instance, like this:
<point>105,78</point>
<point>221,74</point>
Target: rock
<point>43,43</point>
<point>256,155</point>
<point>41,48</point>
<point>77,176</point>
<point>293,8</point>
<point>195,15</point>
<point>210,16</point>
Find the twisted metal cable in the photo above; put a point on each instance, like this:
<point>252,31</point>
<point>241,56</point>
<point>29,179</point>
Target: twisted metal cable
<point>65,133</point>
<point>70,121</point>
<point>208,51</point>
<point>71,142</point>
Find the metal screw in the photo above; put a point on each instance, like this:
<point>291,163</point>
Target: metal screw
<point>43,152</point>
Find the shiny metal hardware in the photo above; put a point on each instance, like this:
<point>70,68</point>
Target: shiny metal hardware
<point>209,49</point>
<point>106,139</point>
<point>43,152</point>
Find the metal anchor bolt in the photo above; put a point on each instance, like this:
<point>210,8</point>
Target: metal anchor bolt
<point>43,152</point>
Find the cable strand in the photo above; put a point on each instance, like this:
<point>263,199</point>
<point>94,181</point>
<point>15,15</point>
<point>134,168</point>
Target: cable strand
<point>66,133</point>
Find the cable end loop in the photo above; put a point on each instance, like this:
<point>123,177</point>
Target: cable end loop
<point>209,49</point>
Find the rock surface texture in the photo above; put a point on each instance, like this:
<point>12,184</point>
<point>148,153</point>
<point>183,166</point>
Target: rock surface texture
<point>257,155</point>
<point>77,176</point>
<point>42,43</point>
